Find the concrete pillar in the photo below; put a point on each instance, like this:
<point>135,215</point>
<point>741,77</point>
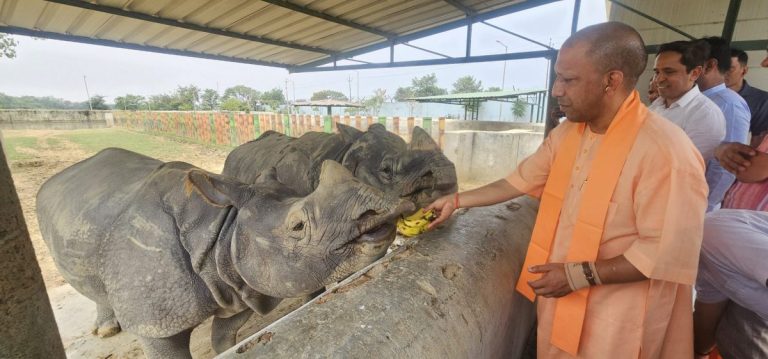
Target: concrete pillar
<point>27,326</point>
<point>447,294</point>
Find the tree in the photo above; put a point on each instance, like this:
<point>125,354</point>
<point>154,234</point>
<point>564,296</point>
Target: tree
<point>373,104</point>
<point>467,84</point>
<point>519,108</point>
<point>273,98</point>
<point>234,104</point>
<point>243,93</point>
<point>426,86</point>
<point>187,98</point>
<point>163,102</point>
<point>98,103</point>
<point>328,95</point>
<point>493,89</point>
<point>403,93</point>
<point>129,102</point>
<point>209,100</point>
<point>7,46</point>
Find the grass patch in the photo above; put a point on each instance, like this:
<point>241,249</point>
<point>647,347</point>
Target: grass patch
<point>93,141</point>
<point>14,147</point>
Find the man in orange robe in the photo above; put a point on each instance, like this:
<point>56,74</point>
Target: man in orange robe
<point>615,249</point>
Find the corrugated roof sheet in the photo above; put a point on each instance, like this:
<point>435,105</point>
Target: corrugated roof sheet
<point>269,32</point>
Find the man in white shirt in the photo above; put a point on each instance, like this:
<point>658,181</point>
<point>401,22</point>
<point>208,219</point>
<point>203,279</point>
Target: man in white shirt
<point>678,65</point>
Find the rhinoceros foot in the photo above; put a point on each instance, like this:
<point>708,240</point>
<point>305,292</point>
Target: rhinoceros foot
<point>106,324</point>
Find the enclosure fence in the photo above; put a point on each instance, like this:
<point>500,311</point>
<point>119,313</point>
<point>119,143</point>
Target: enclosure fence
<point>236,128</point>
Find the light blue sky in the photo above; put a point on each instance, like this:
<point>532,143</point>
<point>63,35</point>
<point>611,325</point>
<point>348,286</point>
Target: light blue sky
<point>56,68</point>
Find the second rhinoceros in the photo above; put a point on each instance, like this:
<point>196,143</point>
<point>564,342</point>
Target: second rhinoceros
<point>160,247</point>
<point>418,171</point>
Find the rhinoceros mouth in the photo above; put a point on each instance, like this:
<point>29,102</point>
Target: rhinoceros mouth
<point>381,233</point>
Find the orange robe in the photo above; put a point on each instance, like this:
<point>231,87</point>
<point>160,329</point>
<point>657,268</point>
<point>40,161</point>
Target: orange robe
<point>655,219</point>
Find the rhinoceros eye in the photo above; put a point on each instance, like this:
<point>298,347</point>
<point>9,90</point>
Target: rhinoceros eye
<point>298,227</point>
<point>387,170</point>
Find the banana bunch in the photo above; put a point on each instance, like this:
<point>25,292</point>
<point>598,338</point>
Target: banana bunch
<point>416,223</point>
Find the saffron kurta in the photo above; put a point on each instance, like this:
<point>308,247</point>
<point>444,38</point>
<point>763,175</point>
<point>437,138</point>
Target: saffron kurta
<point>655,220</point>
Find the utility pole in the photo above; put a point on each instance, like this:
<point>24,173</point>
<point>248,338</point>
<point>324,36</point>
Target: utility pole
<point>349,81</point>
<point>503,74</point>
<point>90,105</point>
<point>286,94</point>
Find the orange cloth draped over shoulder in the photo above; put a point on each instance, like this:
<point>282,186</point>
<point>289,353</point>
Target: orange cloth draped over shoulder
<point>588,231</point>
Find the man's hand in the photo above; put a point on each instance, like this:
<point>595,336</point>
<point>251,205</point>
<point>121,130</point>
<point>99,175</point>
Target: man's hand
<point>444,207</point>
<point>734,157</point>
<point>553,283</point>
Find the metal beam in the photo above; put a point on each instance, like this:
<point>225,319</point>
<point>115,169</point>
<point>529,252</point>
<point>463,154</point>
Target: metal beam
<point>321,15</point>
<point>431,62</point>
<point>469,39</point>
<point>426,50</point>
<point>575,20</point>
<point>518,35</point>
<point>730,19</point>
<point>184,25</point>
<point>649,17</point>
<point>509,9</point>
<point>465,9</point>
<point>129,46</point>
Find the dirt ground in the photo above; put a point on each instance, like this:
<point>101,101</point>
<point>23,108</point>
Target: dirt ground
<point>75,313</point>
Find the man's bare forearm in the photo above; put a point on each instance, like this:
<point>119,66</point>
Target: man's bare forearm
<point>618,270</point>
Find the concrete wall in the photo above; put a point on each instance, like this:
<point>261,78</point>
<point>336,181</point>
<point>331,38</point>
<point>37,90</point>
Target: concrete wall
<point>485,156</point>
<point>54,119</point>
<point>450,293</point>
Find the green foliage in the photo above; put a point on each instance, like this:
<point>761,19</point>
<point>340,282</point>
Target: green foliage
<point>373,104</point>
<point>244,94</point>
<point>187,97</point>
<point>163,102</point>
<point>467,84</point>
<point>329,95</point>
<point>493,89</point>
<point>273,98</point>
<point>420,86</point>
<point>209,100</point>
<point>33,102</point>
<point>130,102</point>
<point>7,46</point>
<point>403,93</point>
<point>98,103</point>
<point>519,108</point>
<point>234,104</point>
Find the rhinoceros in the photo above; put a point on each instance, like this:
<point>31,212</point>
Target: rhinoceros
<point>418,171</point>
<point>160,247</point>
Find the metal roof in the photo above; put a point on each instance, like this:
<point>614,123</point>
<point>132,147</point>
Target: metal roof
<point>282,33</point>
<point>327,103</point>
<point>490,95</point>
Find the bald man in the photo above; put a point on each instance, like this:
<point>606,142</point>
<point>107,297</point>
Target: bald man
<point>615,247</point>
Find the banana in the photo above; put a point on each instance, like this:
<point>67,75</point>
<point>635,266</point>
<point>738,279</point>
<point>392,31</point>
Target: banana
<point>415,224</point>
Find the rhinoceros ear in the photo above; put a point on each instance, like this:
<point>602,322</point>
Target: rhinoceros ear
<point>268,177</point>
<point>377,127</point>
<point>421,140</point>
<point>220,191</point>
<point>333,173</point>
<point>349,133</point>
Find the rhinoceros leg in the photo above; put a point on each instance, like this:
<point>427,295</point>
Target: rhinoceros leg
<point>224,330</point>
<point>173,347</point>
<point>106,324</point>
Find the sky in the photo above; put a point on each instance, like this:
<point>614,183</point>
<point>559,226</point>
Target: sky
<point>56,68</point>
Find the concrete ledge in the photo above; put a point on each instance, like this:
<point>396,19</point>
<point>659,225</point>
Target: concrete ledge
<point>449,294</point>
<point>54,119</point>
